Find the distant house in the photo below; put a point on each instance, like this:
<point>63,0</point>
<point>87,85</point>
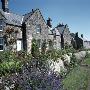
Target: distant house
<point>87,44</point>
<point>77,41</point>
<point>61,36</point>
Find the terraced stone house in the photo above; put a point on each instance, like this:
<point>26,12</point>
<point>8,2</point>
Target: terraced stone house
<point>17,31</point>
<point>61,36</point>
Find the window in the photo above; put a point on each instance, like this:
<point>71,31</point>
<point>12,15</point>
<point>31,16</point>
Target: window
<point>1,44</point>
<point>1,26</point>
<point>38,28</point>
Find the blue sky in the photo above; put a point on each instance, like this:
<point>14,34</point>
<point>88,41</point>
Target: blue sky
<point>75,13</point>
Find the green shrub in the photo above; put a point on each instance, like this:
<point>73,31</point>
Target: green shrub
<point>87,55</point>
<point>54,54</point>
<point>9,67</point>
<point>11,62</point>
<point>73,62</point>
<point>35,49</point>
<point>43,47</point>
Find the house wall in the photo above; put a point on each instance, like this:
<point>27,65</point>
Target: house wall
<point>15,35</point>
<point>86,44</point>
<point>67,36</point>
<point>57,42</point>
<point>32,22</point>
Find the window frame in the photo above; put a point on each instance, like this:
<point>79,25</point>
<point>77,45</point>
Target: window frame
<point>38,28</point>
<point>1,25</point>
<point>2,44</point>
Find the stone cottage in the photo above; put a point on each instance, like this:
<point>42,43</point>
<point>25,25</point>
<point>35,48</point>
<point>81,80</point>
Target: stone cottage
<point>10,29</point>
<point>61,36</point>
<point>34,26</point>
<point>17,32</point>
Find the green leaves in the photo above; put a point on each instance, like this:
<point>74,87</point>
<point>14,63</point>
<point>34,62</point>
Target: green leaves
<point>9,67</point>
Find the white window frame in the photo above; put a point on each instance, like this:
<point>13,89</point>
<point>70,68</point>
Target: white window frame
<point>2,43</point>
<point>38,28</point>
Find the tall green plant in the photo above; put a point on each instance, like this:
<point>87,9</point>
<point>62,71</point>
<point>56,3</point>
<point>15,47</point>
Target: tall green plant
<point>34,49</point>
<point>43,47</point>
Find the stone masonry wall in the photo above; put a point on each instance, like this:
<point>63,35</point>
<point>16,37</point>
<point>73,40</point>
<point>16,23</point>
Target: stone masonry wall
<point>15,35</point>
<point>31,26</point>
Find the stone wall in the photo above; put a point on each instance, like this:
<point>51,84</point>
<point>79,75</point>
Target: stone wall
<point>86,44</point>
<point>67,36</point>
<point>31,29</point>
<point>14,35</point>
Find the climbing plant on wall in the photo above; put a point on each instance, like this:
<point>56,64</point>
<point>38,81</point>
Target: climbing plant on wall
<point>10,37</point>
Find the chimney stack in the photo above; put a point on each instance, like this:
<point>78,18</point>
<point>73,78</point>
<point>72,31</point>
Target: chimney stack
<point>81,35</point>
<point>49,22</point>
<point>5,5</point>
<point>76,34</point>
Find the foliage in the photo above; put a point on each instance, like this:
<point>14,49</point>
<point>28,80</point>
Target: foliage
<point>87,54</point>
<point>35,49</point>
<point>10,37</point>
<point>7,56</point>
<point>9,67</point>
<point>73,62</point>
<point>43,47</point>
<point>69,48</point>
<point>54,54</point>
<point>87,59</point>
<point>9,62</point>
<point>35,70</point>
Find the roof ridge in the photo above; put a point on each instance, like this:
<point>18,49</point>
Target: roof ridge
<point>30,13</point>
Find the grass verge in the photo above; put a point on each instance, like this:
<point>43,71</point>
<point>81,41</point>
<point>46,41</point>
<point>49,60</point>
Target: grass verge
<point>78,78</point>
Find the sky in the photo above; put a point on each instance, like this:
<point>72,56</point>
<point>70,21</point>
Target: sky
<point>75,13</point>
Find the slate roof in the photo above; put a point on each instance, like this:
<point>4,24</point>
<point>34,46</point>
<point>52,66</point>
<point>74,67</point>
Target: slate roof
<point>14,19</point>
<point>28,15</point>
<point>55,30</point>
<point>11,18</point>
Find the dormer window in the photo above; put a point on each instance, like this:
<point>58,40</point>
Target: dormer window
<point>1,26</point>
<point>38,28</point>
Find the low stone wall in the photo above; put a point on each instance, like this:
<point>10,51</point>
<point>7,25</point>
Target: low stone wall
<point>58,65</point>
<point>80,55</point>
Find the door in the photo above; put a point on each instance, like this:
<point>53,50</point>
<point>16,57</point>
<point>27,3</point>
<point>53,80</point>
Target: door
<point>19,45</point>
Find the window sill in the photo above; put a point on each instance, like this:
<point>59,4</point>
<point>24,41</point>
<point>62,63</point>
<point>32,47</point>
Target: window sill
<point>37,32</point>
<point>1,50</point>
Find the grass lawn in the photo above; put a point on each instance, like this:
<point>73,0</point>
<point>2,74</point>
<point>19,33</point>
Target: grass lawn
<point>87,61</point>
<point>78,78</point>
